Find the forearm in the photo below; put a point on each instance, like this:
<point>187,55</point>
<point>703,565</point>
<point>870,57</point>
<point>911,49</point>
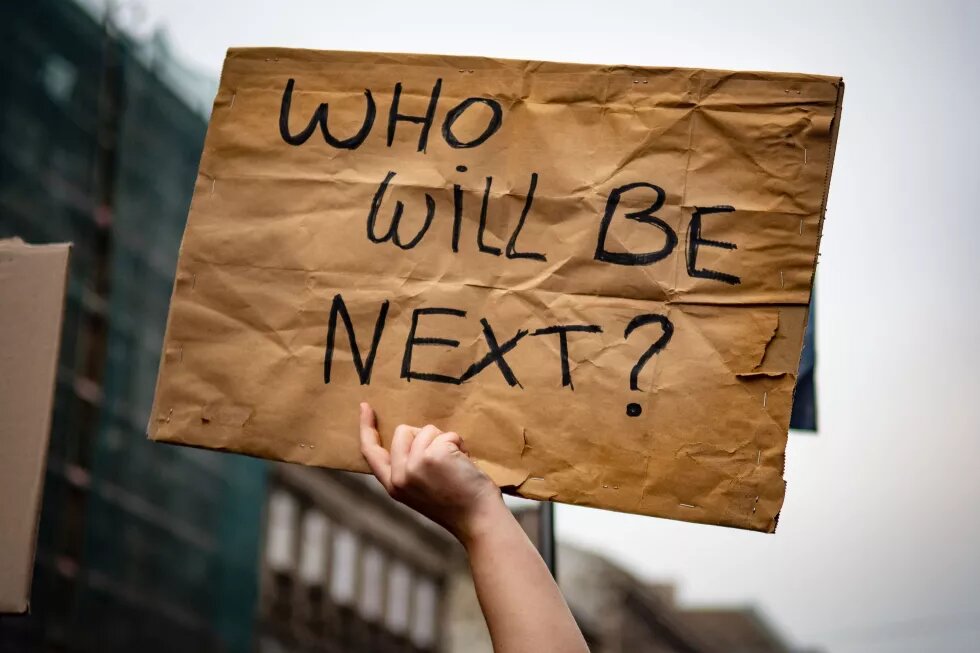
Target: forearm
<point>524,609</point>
<point>429,471</point>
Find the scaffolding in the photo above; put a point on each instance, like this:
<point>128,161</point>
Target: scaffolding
<point>141,546</point>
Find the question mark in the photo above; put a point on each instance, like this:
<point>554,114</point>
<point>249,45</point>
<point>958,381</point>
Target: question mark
<point>634,409</point>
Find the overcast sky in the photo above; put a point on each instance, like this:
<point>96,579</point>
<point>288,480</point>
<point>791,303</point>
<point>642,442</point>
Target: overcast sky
<point>878,548</point>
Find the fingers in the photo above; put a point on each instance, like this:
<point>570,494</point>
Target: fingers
<point>409,446</point>
<point>401,446</point>
<point>450,441</point>
<point>376,456</point>
<point>369,423</point>
<point>422,441</point>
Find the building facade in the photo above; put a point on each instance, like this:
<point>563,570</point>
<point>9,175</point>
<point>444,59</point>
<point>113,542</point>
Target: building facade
<point>345,568</point>
<point>617,612</point>
<point>141,546</point>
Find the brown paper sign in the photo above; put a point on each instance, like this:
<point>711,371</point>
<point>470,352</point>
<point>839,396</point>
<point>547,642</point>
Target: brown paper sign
<point>598,275</point>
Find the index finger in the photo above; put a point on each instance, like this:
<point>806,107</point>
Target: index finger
<point>377,456</point>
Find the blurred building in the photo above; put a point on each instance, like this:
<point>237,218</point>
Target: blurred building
<point>619,613</point>
<point>736,630</point>
<point>141,547</point>
<point>346,569</point>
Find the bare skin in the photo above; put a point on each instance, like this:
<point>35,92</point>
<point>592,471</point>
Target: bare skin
<point>429,471</point>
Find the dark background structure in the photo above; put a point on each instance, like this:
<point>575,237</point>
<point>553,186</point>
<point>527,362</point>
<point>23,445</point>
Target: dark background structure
<point>140,547</point>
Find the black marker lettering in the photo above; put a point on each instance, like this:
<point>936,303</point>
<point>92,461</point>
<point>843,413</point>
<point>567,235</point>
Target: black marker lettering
<point>496,119</point>
<point>393,233</point>
<point>363,367</point>
<point>562,330</point>
<point>425,121</point>
<point>636,323</point>
<point>483,222</point>
<point>694,240</point>
<point>645,216</point>
<point>512,243</point>
<point>320,117</point>
<point>457,215</point>
<point>495,355</point>
<point>303,136</point>
<point>412,341</point>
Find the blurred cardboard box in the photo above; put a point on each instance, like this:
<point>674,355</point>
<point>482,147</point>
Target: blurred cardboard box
<point>32,292</point>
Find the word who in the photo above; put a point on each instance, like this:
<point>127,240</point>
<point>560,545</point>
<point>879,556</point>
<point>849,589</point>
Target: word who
<point>395,117</point>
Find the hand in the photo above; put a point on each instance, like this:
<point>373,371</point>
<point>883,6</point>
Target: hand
<point>429,471</point>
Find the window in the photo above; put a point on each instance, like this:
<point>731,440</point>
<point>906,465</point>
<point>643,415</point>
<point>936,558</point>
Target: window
<point>59,77</point>
<point>371,602</point>
<point>313,548</point>
<point>423,633</point>
<point>343,572</point>
<point>398,600</point>
<point>281,537</point>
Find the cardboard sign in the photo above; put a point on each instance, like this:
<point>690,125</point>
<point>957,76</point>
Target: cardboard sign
<point>32,296</point>
<point>597,275</point>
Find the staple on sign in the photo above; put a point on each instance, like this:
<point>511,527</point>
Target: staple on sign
<point>213,179</point>
<point>687,505</point>
<point>804,156</point>
<point>782,284</point>
<point>232,103</point>
<point>535,478</point>
<point>170,414</point>
<point>801,226</point>
<point>758,457</point>
<point>765,398</point>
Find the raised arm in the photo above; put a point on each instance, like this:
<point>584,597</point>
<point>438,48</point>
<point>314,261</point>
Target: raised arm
<point>429,471</point>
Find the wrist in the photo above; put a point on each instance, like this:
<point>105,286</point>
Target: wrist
<point>485,517</point>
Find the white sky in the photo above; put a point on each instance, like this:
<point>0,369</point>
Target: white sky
<point>878,547</point>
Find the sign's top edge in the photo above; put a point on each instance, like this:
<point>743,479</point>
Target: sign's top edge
<point>500,64</point>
